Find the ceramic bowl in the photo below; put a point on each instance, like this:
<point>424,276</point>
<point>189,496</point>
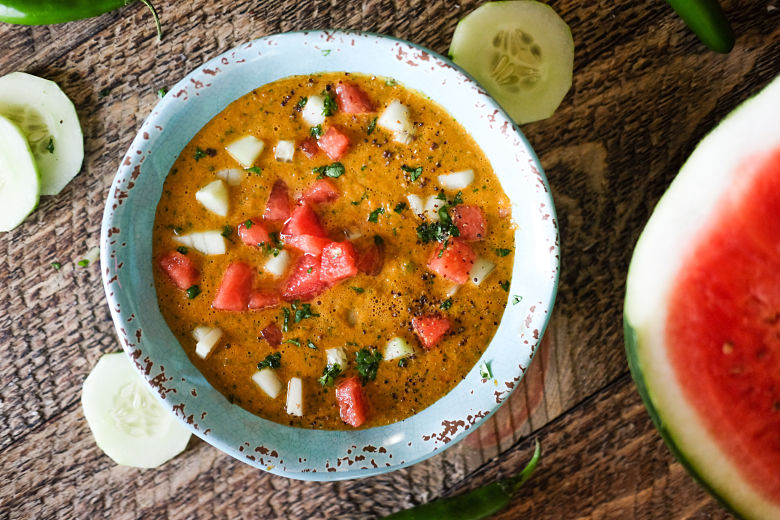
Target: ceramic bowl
<point>126,257</point>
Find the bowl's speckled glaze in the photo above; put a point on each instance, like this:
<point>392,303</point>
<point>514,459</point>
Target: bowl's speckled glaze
<point>126,251</point>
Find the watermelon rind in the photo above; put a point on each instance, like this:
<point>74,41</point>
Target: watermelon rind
<point>710,180</point>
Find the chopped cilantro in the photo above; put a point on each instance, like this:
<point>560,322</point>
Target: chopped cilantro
<point>504,285</point>
<point>199,154</point>
<point>334,170</point>
<point>329,374</point>
<point>227,231</point>
<point>193,291</point>
<point>308,270</point>
<point>402,362</point>
<point>443,247</point>
<point>371,127</point>
<point>458,199</point>
<point>271,361</point>
<point>325,52</point>
<point>390,82</point>
<point>161,92</point>
<point>315,131</point>
<point>248,224</point>
<point>441,196</point>
<point>414,173</point>
<point>285,319</point>
<point>183,250</point>
<point>293,341</point>
<point>50,146</point>
<point>437,231</point>
<point>56,265</point>
<point>310,344</point>
<point>374,215</point>
<point>446,304</point>
<point>378,240</point>
<point>358,290</point>
<point>516,299</point>
<point>484,371</point>
<point>503,252</point>
<point>255,169</point>
<point>303,312</point>
<point>301,103</point>
<point>368,364</point>
<point>329,104</point>
<point>83,263</point>
<point>400,207</point>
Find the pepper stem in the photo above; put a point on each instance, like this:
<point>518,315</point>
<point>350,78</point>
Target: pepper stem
<point>156,17</point>
<point>512,484</point>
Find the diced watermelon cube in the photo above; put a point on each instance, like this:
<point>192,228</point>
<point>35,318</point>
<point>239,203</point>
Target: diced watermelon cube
<point>353,405</point>
<point>252,232</point>
<point>430,329</point>
<point>262,300</point>
<point>334,143</point>
<point>303,221</point>
<point>272,334</point>
<point>338,262</point>
<point>308,244</point>
<point>371,260</point>
<point>304,281</point>
<point>309,147</point>
<point>278,205</point>
<point>233,292</point>
<point>323,190</point>
<point>452,260</point>
<point>179,269</point>
<point>470,221</point>
<point>352,99</point>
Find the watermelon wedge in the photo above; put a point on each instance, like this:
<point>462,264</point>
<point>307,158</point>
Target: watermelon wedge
<point>702,311</point>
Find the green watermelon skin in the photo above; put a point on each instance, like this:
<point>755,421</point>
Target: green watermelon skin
<point>709,181</point>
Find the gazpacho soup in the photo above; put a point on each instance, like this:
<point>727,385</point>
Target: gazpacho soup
<point>333,251</point>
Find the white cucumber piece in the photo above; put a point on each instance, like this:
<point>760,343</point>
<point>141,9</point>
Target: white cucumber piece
<point>268,382</point>
<point>207,338</point>
<point>19,182</point>
<point>416,204</point>
<point>457,180</point>
<point>521,51</point>
<point>48,120</point>
<point>214,197</point>
<point>206,242</point>
<point>480,270</point>
<point>246,150</point>
<point>312,111</point>
<point>295,397</point>
<point>395,119</point>
<point>431,208</point>
<point>396,348</point>
<point>284,151</point>
<point>233,176</point>
<point>277,265</point>
<point>336,356</point>
<point>127,421</point>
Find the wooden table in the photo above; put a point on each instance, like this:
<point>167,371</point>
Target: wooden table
<point>645,92</point>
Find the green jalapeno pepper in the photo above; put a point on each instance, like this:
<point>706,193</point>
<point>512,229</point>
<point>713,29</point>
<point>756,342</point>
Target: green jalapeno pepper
<point>43,12</point>
<point>474,505</point>
<point>707,20</point>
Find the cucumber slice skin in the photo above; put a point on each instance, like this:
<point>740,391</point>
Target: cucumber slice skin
<point>19,180</point>
<point>49,120</point>
<point>126,420</point>
<point>473,44</point>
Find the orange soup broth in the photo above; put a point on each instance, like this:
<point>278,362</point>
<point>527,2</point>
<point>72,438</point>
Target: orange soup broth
<point>363,311</point>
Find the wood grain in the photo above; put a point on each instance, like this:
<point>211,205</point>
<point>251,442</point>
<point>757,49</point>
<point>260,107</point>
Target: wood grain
<point>645,91</point>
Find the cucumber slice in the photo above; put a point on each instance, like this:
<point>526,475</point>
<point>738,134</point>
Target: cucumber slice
<point>128,423</point>
<point>521,51</point>
<point>48,120</point>
<point>19,183</point>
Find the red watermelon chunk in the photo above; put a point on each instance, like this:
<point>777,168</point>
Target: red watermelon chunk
<point>272,334</point>
<point>308,244</point>
<point>372,260</point>
<point>304,282</point>
<point>309,147</point>
<point>323,190</point>
<point>470,221</point>
<point>303,221</point>
<point>233,292</point>
<point>252,232</point>
<point>452,260</point>
<point>339,261</point>
<point>352,100</point>
<point>353,405</point>
<point>278,205</point>
<point>334,143</point>
<point>179,269</point>
<point>430,329</point>
<point>262,300</point>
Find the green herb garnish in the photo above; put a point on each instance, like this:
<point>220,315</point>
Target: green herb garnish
<point>303,312</point>
<point>310,344</point>
<point>301,103</point>
<point>161,92</point>
<point>294,341</point>
<point>255,169</point>
<point>390,82</point>
<point>334,170</point>
<point>285,319</point>
<point>437,231</point>
<point>402,362</point>
<point>368,364</point>
<point>400,207</point>
<point>227,231</point>
<point>378,240</point>
<point>503,252</point>
<point>193,291</point>
<point>374,215</point>
<point>183,250</point>
<point>504,285</point>
<point>199,154</point>
<point>371,127</point>
<point>315,131</point>
<point>248,224</point>
<point>329,374</point>
<point>271,361</point>
<point>56,265</point>
<point>446,304</point>
<point>50,146</point>
<point>83,263</point>
<point>484,371</point>
<point>516,299</point>
<point>414,173</point>
<point>358,290</point>
<point>329,104</point>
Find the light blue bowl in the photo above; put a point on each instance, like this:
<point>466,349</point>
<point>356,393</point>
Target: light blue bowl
<point>126,257</point>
